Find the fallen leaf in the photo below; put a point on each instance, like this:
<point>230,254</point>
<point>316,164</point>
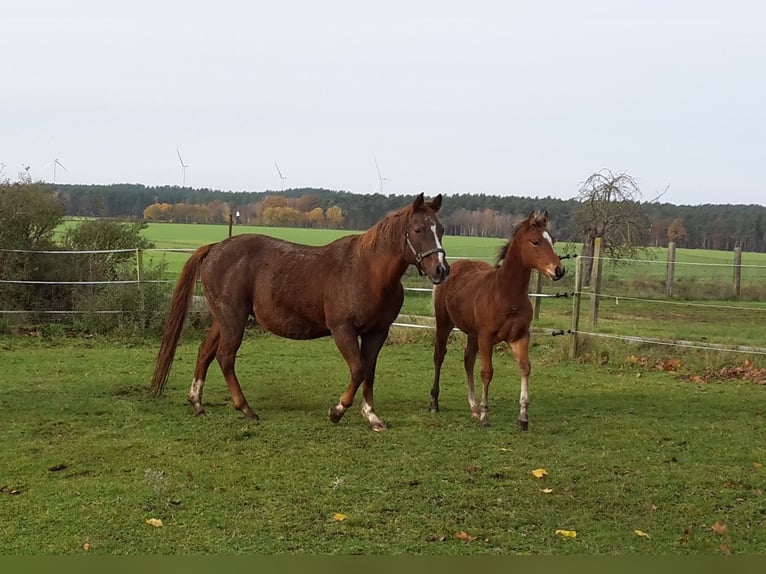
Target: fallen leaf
<point>757,465</point>
<point>539,473</point>
<point>641,534</point>
<point>338,517</point>
<point>718,528</point>
<point>725,549</point>
<point>156,522</point>
<point>464,536</point>
<point>86,547</point>
<point>546,490</point>
<point>567,533</point>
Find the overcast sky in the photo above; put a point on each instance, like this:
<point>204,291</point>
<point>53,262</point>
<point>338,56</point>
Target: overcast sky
<point>503,98</point>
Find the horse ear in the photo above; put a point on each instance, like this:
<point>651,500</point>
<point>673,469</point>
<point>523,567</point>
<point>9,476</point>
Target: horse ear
<point>532,219</point>
<point>417,205</point>
<point>543,219</point>
<point>436,202</point>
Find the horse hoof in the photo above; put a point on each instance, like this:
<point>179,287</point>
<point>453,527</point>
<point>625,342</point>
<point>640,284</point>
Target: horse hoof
<point>199,412</point>
<point>523,425</point>
<point>335,415</point>
<point>484,423</point>
<point>379,427</point>
<point>249,414</point>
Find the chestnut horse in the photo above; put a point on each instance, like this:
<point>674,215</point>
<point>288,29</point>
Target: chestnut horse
<point>491,304</point>
<point>350,289</point>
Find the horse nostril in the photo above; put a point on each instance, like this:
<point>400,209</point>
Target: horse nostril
<point>444,270</point>
<point>560,271</point>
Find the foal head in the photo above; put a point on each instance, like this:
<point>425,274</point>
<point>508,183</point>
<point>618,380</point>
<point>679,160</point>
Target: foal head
<point>423,239</point>
<point>533,244</point>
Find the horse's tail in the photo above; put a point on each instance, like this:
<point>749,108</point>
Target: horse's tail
<point>174,324</point>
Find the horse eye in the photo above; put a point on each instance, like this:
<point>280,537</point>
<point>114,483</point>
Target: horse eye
<point>418,229</point>
<point>535,242</point>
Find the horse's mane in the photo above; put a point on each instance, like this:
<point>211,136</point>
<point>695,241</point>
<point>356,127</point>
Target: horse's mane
<point>540,218</point>
<point>393,225</point>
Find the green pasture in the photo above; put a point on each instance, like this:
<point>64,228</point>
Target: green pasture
<point>638,460</point>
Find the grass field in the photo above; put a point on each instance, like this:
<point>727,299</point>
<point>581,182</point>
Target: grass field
<point>638,460</point>
<point>648,449</point>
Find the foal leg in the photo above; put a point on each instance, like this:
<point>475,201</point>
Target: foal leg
<point>520,350</point>
<point>371,345</point>
<point>232,330</point>
<point>485,348</point>
<point>443,330</point>
<point>205,356</point>
<point>469,362</point>
<point>347,342</point>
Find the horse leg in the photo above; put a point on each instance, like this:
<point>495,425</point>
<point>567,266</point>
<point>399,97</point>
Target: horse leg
<point>347,342</point>
<point>485,349</point>
<point>232,330</point>
<point>520,350</point>
<point>371,345</point>
<point>443,330</point>
<point>205,356</point>
<point>469,361</point>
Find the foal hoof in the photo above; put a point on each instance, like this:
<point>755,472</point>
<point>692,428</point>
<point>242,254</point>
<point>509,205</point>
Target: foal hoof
<point>379,426</point>
<point>249,414</point>
<point>484,422</point>
<point>199,411</point>
<point>523,425</point>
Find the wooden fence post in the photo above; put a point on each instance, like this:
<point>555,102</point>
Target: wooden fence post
<point>671,269</point>
<point>737,271</point>
<point>536,285</point>
<point>140,279</point>
<point>231,221</point>
<point>595,281</point>
<point>573,339</point>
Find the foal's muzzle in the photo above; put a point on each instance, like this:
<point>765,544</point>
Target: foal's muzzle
<point>559,273</point>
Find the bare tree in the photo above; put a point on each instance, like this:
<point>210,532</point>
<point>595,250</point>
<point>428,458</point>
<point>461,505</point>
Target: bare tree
<point>609,206</point>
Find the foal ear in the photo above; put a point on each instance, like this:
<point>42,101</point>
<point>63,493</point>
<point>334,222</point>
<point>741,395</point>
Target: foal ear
<point>436,202</point>
<point>417,205</point>
<point>542,219</point>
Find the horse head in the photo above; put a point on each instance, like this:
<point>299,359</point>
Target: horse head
<point>423,239</point>
<point>535,245</point>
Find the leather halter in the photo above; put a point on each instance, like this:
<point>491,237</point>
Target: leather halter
<point>420,256</point>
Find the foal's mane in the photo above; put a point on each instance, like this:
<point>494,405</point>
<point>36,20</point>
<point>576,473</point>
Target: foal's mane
<point>540,218</point>
<point>393,225</point>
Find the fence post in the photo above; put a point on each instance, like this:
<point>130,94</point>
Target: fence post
<point>140,278</point>
<point>230,223</point>
<point>737,271</point>
<point>671,269</point>
<point>536,285</point>
<point>595,281</point>
<point>573,340</point>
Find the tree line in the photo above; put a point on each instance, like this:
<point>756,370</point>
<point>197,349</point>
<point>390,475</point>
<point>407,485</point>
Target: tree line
<point>703,226</point>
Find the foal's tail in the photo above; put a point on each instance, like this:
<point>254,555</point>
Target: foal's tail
<point>174,324</point>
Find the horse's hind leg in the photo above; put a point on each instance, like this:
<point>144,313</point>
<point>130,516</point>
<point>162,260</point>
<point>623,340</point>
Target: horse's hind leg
<point>205,356</point>
<point>520,350</point>
<point>443,330</point>
<point>232,330</point>
<point>469,362</point>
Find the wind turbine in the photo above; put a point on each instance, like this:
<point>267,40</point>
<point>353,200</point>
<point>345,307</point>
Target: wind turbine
<point>281,177</point>
<point>381,179</point>
<point>55,162</point>
<point>183,168</point>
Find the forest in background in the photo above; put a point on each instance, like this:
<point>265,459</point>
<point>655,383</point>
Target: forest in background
<point>702,226</point>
